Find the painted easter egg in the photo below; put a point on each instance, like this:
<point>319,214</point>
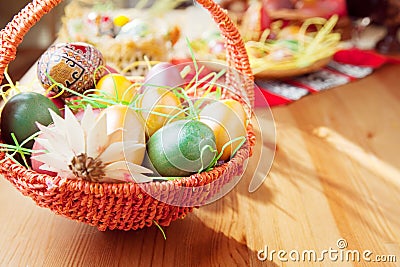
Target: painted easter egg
<point>76,66</point>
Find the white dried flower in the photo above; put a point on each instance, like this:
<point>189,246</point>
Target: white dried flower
<point>88,150</point>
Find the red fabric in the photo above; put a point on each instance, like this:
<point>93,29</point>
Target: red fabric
<point>367,58</point>
<point>264,98</point>
<point>352,57</point>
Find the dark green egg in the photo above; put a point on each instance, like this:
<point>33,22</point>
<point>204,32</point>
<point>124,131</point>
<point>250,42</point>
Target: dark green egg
<point>20,114</point>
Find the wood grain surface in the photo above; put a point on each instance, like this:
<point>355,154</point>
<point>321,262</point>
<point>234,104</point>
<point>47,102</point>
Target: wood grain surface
<point>335,177</point>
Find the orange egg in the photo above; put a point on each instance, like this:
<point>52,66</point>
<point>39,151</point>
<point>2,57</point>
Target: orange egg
<point>157,106</point>
<point>290,32</point>
<point>227,118</point>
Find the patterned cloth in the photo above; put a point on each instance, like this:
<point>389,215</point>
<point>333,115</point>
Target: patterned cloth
<point>347,66</point>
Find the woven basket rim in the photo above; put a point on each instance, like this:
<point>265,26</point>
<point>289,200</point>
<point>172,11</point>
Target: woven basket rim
<point>246,148</point>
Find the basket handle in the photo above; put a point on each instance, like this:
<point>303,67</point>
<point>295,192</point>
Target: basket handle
<point>237,57</point>
<point>12,35</point>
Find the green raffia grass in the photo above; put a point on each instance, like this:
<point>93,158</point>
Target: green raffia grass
<point>203,150</point>
<point>12,150</point>
<point>217,157</point>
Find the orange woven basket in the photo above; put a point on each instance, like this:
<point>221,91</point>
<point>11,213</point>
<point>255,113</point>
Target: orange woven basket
<point>129,206</point>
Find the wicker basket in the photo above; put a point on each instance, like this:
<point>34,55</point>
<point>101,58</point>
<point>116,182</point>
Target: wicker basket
<point>129,206</point>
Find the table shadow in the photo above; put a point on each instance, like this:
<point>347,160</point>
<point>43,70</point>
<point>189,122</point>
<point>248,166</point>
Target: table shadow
<point>189,242</point>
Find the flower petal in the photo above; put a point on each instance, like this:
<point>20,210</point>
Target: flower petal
<point>53,160</point>
<point>49,131</point>
<point>67,174</point>
<point>127,172</point>
<point>121,151</point>
<point>115,135</point>
<point>46,167</point>
<point>56,139</point>
<point>97,137</point>
<point>126,176</point>
<point>134,152</point>
<point>88,119</point>
<point>44,143</point>
<point>74,133</point>
<point>140,178</point>
<point>59,122</point>
<point>124,165</point>
<point>117,175</point>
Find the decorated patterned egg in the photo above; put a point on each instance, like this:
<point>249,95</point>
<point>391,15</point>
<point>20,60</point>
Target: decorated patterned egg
<point>74,65</point>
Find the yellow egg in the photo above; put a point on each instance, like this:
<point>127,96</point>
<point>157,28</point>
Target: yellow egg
<point>157,106</point>
<point>121,20</point>
<point>116,87</point>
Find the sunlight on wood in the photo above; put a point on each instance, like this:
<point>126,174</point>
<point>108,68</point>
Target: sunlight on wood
<point>369,161</point>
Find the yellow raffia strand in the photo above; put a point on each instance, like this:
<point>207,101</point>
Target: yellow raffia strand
<point>186,70</point>
<point>10,88</point>
<point>7,89</point>
<point>147,60</point>
<point>311,47</point>
<point>51,88</point>
<point>9,80</point>
<point>265,35</point>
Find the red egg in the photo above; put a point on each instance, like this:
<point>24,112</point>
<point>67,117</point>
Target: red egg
<point>58,101</point>
<point>74,65</point>
<point>163,74</point>
<point>110,69</point>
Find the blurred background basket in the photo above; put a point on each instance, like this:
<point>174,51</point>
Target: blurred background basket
<point>123,35</point>
<point>127,206</point>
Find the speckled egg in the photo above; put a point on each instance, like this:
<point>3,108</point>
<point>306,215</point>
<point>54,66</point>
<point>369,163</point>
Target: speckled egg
<point>74,65</point>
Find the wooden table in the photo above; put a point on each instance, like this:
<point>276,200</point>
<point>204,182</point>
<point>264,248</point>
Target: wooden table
<point>335,179</point>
